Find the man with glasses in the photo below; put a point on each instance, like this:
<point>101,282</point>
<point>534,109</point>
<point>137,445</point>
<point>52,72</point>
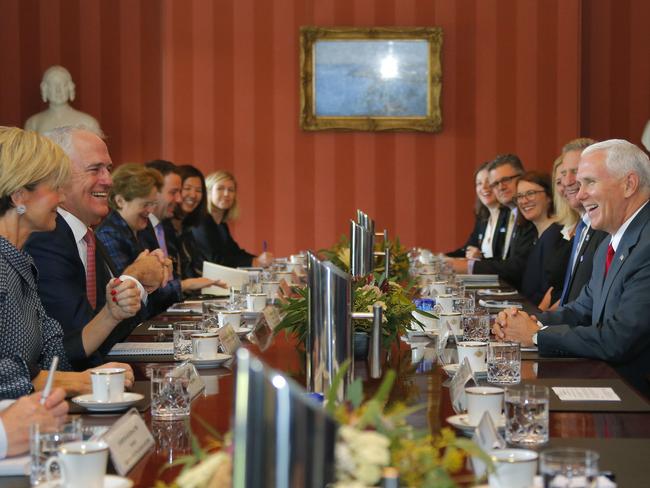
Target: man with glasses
<point>609,320</point>
<point>503,173</point>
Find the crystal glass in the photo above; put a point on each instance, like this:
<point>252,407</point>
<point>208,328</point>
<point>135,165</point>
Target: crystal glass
<point>183,338</point>
<point>476,325</point>
<point>172,438</point>
<point>43,445</point>
<point>526,409</point>
<point>504,362</point>
<point>170,397</point>
<point>570,467</point>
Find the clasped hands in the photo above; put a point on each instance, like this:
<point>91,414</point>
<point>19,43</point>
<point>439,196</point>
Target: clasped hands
<point>515,325</point>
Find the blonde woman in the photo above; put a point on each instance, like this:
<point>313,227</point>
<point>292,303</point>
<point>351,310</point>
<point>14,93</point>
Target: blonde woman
<point>32,171</point>
<point>213,239</point>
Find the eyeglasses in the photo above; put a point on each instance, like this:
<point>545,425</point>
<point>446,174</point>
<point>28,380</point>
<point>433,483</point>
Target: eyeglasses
<point>504,180</point>
<point>519,197</point>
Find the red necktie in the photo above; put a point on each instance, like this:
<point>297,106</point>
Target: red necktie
<point>610,257</point>
<point>91,285</point>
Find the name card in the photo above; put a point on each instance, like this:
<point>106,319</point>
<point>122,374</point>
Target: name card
<point>229,339</point>
<point>196,384</point>
<point>272,316</point>
<point>262,335</point>
<point>443,338</point>
<point>450,331</point>
<point>457,386</point>
<point>487,437</point>
<point>128,441</point>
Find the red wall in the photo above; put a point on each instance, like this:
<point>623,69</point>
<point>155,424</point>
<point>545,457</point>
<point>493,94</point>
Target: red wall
<point>215,83</point>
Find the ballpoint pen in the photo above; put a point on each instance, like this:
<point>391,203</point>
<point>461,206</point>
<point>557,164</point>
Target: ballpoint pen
<point>50,380</point>
<point>265,246</point>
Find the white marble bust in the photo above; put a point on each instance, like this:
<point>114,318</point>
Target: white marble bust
<point>58,89</point>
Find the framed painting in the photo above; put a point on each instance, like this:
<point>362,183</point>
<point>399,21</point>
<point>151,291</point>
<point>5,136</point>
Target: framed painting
<point>370,79</point>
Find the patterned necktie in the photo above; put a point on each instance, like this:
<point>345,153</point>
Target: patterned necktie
<point>160,236</point>
<point>91,284</point>
<point>610,257</point>
<point>573,257</point>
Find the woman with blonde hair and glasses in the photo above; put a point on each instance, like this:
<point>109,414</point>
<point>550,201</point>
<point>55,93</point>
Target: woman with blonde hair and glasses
<point>32,172</point>
<point>212,235</point>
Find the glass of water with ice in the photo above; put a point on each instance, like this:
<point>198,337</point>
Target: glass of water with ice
<point>526,408</point>
<point>504,362</point>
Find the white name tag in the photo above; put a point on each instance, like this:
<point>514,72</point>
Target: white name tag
<point>229,339</point>
<point>272,316</point>
<point>487,437</point>
<point>457,386</point>
<point>128,441</point>
<point>196,384</point>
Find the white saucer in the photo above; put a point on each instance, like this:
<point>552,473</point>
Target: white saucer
<point>242,331</point>
<point>215,362</point>
<point>496,293</point>
<point>452,369</point>
<point>461,422</point>
<point>93,405</point>
<point>110,481</point>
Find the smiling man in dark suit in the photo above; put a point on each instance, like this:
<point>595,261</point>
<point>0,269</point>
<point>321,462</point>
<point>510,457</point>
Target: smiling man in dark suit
<point>66,256</point>
<point>609,320</point>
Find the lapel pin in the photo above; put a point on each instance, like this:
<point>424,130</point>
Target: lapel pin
<point>621,258</point>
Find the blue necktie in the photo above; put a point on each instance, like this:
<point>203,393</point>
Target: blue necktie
<point>575,249</point>
<point>160,236</point>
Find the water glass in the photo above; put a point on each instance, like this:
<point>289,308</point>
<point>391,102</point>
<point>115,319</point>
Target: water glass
<point>462,304</point>
<point>526,409</point>
<point>183,339</point>
<point>211,308</point>
<point>476,326</point>
<point>504,362</point>
<point>43,445</point>
<point>569,467</point>
<point>170,396</point>
<point>172,438</point>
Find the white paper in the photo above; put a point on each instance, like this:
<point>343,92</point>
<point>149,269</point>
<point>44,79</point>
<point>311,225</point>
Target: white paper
<point>457,386</point>
<point>128,441</point>
<point>234,278</point>
<point>586,394</point>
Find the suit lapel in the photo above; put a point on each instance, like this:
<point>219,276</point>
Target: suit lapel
<point>629,240</point>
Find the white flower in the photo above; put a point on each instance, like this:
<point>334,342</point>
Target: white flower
<point>368,474</point>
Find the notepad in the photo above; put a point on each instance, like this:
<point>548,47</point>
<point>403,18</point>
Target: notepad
<point>586,394</point>
<point>142,348</point>
<point>234,278</point>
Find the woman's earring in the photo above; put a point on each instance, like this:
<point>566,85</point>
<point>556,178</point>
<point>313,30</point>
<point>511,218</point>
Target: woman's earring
<point>21,209</point>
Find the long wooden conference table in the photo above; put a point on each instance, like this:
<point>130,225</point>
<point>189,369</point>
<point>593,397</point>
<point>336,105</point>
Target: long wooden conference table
<point>621,436</point>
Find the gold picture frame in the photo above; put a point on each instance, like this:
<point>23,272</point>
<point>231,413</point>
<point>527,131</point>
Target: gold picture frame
<point>370,79</point>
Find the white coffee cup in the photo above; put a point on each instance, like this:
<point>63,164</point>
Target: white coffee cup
<point>108,384</point>
<point>229,317</point>
<point>430,323</point>
<point>514,468</point>
<point>476,354</point>
<point>82,464</point>
<point>205,345</point>
<point>481,399</point>
<point>437,288</point>
<point>453,320</point>
<point>284,275</point>
<point>271,288</point>
<point>445,302</point>
<point>255,302</point>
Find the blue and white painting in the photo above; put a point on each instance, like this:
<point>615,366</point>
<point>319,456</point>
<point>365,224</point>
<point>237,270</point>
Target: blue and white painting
<point>371,78</point>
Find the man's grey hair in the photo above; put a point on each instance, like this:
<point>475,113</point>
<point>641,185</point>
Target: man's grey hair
<point>62,136</point>
<point>623,157</point>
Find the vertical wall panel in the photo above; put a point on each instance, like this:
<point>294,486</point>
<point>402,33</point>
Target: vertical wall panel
<point>216,83</point>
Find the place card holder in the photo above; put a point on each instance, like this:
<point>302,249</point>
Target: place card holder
<point>196,384</point>
<point>229,339</point>
<point>272,316</point>
<point>128,441</point>
<point>457,386</point>
<point>262,334</point>
<point>450,331</point>
<point>487,437</point>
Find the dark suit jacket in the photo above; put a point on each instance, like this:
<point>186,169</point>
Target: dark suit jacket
<point>148,240</point>
<point>478,234</point>
<point>512,268</point>
<point>216,245</point>
<point>62,289</point>
<point>584,265</point>
<point>609,320</point>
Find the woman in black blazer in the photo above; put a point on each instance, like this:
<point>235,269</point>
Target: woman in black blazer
<point>212,235</point>
<point>487,237</point>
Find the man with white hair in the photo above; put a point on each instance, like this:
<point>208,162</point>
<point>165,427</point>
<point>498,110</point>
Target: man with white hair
<point>609,320</point>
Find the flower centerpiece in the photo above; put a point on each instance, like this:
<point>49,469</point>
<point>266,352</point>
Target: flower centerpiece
<point>373,438</point>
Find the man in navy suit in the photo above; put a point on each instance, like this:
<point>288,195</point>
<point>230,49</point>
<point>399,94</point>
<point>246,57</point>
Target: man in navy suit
<point>61,256</point>
<point>609,320</point>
